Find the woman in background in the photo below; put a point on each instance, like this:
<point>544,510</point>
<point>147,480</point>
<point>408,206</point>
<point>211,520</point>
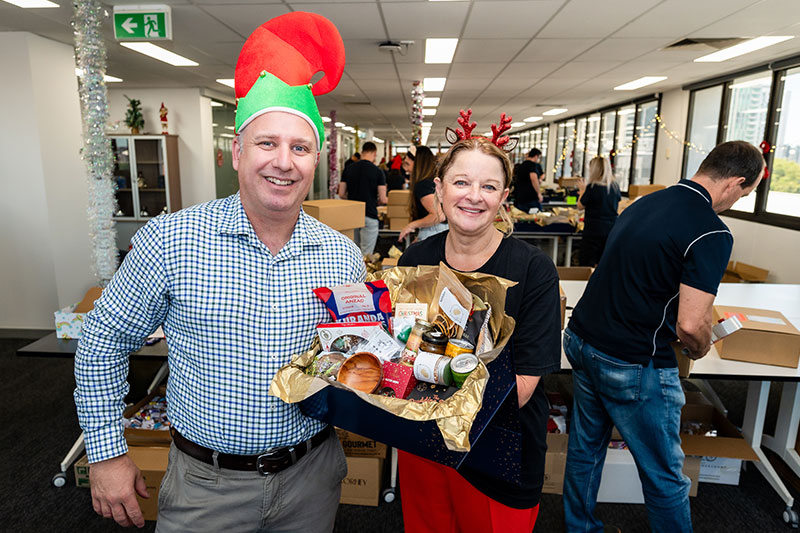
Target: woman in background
<point>473,181</point>
<point>426,215</point>
<point>599,196</point>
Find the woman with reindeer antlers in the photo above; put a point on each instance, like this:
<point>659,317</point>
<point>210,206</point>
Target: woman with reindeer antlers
<point>472,183</point>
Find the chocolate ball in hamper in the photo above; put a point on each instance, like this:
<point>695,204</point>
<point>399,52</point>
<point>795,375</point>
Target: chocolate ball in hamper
<point>362,371</point>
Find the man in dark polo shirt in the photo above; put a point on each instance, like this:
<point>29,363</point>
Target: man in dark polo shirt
<point>527,193</point>
<point>655,282</point>
<point>363,181</point>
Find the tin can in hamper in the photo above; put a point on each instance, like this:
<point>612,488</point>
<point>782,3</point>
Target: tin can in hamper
<point>457,346</point>
<point>414,340</point>
<point>433,368</point>
<point>433,341</point>
<point>462,366</point>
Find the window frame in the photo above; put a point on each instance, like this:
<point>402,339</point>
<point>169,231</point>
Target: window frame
<point>779,70</point>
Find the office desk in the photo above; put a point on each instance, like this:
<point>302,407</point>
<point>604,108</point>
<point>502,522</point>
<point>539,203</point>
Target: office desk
<point>552,236</point>
<point>783,298</point>
<point>51,346</point>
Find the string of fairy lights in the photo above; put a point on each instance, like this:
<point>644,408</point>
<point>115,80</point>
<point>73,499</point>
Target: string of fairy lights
<point>656,120</point>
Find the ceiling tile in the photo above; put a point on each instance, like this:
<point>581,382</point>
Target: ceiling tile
<point>474,70</point>
<point>555,49</point>
<point>590,18</point>
<point>758,19</point>
<point>422,20</point>
<point>622,49</point>
<point>370,71</point>
<point>670,19</point>
<point>504,19</point>
<point>585,69</point>
<point>485,50</point>
<point>245,18</point>
<point>355,20</point>
<point>538,69</point>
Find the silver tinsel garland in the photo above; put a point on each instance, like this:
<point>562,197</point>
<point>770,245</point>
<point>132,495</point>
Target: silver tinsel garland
<point>333,158</point>
<point>90,51</point>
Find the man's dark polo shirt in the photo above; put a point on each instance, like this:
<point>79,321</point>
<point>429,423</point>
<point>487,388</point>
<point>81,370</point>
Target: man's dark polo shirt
<point>630,305</point>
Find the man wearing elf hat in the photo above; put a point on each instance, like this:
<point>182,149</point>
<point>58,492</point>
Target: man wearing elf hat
<point>231,282</point>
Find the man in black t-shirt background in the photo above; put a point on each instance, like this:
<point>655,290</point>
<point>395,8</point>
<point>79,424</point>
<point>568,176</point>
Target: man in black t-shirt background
<point>363,181</point>
<point>527,193</point>
<point>655,283</point>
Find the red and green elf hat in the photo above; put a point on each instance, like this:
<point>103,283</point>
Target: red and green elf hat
<point>276,65</point>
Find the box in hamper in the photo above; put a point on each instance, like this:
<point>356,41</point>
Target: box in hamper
<point>464,429</point>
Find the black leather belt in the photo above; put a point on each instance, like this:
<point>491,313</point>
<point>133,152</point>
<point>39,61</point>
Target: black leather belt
<point>270,462</point>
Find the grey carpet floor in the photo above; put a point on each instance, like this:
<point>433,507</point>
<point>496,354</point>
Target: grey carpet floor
<point>38,425</point>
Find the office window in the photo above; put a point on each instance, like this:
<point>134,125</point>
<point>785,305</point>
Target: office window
<point>592,140</point>
<point>580,147</point>
<point>562,155</point>
<point>748,102</point>
<point>569,156</point>
<point>607,133</point>
<point>783,197</point>
<point>644,149</point>
<point>703,127</point>
<point>624,146</point>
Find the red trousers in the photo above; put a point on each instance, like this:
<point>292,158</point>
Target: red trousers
<point>437,499</point>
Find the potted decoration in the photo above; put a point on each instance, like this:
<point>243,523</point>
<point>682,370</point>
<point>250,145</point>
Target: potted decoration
<point>134,118</point>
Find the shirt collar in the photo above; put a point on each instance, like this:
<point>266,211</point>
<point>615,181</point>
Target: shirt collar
<point>234,221</point>
<point>696,187</point>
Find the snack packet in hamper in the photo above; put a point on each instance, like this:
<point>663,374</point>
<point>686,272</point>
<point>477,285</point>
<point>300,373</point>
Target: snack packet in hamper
<point>451,305</point>
<point>358,302</point>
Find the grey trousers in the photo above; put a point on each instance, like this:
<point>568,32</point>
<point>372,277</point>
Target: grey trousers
<point>198,497</point>
<point>367,236</point>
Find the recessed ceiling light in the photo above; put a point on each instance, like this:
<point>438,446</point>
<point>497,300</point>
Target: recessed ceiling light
<point>214,124</point>
<point>517,124</point>
<point>531,119</point>
<point>427,124</point>
<point>743,48</point>
<point>106,77</point>
<point>326,119</point>
<point>641,82</point>
<point>430,85</point>
<point>428,112</point>
<point>339,124</point>
<point>215,104</point>
<point>227,81</point>
<point>228,135</point>
<point>32,4</point>
<point>430,101</point>
<point>156,52</point>
<point>555,111</point>
<point>438,51</point>
<point>377,140</point>
<point>229,128</point>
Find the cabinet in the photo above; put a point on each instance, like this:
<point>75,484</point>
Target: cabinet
<point>147,180</point>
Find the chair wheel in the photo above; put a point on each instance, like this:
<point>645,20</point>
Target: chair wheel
<point>388,495</point>
<point>59,480</point>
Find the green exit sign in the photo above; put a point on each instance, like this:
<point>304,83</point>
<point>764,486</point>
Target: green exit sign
<point>142,23</point>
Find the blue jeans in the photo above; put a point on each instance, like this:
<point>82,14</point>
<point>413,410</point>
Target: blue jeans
<point>644,403</point>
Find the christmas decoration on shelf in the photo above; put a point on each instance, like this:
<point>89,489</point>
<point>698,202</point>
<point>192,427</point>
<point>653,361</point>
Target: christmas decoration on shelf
<point>333,163</point>
<point>417,95</point>
<point>90,51</point>
<point>163,114</point>
<point>765,150</point>
<point>134,118</point>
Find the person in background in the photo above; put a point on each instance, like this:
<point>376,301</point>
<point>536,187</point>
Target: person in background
<point>473,181</point>
<point>426,215</point>
<point>408,161</point>
<point>527,190</point>
<point>355,158</point>
<point>231,282</point>
<point>383,166</point>
<point>599,196</point>
<point>655,282</point>
<point>364,182</point>
<point>395,180</point>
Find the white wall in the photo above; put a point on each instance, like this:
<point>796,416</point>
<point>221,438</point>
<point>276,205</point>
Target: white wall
<point>46,253</point>
<point>189,118</point>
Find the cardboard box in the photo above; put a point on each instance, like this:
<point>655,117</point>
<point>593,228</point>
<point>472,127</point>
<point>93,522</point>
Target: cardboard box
<point>563,305</point>
<point>569,182</point>
<point>146,437</point>
<point>349,233</point>
<point>69,320</point>
<point>388,262</point>
<point>398,197</point>
<point>397,211</point>
<point>397,224</point>
<point>399,378</point>
<point>575,273</point>
<point>555,463</point>
<point>620,481</point>
<point>634,191</point>
<point>738,272</point>
<point>720,470</point>
<point>151,460</point>
<point>766,337</point>
<point>338,214</point>
<point>362,484</point>
<point>728,442</point>
<point>358,446</point>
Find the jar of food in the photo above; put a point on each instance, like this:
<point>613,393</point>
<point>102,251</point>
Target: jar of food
<point>458,346</point>
<point>433,342</point>
<point>414,340</point>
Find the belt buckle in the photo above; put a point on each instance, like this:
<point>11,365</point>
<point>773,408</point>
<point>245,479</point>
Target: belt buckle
<point>280,453</point>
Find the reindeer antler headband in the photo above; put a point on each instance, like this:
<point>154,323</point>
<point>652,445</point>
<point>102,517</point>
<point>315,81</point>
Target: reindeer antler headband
<point>503,142</point>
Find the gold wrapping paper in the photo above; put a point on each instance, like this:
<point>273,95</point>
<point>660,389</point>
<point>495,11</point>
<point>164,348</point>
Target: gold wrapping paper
<point>455,415</point>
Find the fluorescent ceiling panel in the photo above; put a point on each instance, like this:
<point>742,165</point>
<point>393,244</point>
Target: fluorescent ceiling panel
<point>440,50</point>
<point>32,4</point>
<point>433,84</point>
<point>555,111</point>
<point>641,82</point>
<point>156,52</point>
<point>743,48</point>
<point>227,81</point>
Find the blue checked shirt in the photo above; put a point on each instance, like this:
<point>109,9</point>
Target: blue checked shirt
<point>233,315</point>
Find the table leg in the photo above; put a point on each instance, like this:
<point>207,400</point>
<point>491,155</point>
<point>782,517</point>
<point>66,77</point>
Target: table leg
<point>752,430</point>
<point>568,259</point>
<point>163,370</point>
<point>785,438</point>
<point>555,250</point>
<point>74,453</point>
